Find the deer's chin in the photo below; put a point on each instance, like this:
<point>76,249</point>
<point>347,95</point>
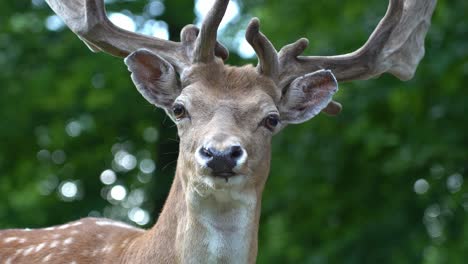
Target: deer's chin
<point>237,189</point>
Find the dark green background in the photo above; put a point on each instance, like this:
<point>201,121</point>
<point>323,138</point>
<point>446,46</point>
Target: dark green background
<point>341,190</point>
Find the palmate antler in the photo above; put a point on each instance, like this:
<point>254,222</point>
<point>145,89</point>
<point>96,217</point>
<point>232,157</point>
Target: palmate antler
<point>88,20</point>
<point>396,46</point>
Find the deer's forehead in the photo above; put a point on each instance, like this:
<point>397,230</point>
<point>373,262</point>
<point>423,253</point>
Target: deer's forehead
<point>224,81</point>
<point>236,102</point>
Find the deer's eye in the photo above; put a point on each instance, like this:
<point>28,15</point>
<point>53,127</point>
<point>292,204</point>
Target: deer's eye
<point>271,121</point>
<point>179,111</point>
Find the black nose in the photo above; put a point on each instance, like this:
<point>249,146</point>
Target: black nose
<point>222,162</point>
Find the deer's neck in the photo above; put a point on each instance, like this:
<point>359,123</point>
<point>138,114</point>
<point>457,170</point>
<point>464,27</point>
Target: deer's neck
<point>203,226</point>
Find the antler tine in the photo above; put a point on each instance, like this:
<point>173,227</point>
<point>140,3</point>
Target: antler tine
<point>268,63</point>
<point>204,50</point>
<point>396,46</point>
<point>188,37</point>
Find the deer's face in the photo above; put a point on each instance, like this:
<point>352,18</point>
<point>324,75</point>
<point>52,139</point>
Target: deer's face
<point>226,116</point>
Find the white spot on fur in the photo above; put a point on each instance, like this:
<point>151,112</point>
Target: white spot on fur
<point>28,251</point>
<point>40,246</point>
<point>76,224</point>
<point>54,243</point>
<point>49,228</point>
<point>55,236</point>
<point>116,224</point>
<point>47,258</point>
<point>64,226</point>
<point>68,241</point>
<point>107,249</point>
<point>22,240</point>
<point>8,261</point>
<point>74,232</point>
<point>10,239</point>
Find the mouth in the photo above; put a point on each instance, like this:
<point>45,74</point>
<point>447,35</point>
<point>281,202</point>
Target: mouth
<point>224,175</point>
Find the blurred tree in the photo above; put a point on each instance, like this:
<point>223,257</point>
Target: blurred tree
<point>383,182</point>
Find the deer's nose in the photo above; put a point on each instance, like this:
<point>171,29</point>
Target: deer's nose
<point>222,162</point>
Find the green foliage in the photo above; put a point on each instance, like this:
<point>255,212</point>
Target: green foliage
<point>341,190</point>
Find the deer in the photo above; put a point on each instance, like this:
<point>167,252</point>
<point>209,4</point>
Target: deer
<point>226,117</point>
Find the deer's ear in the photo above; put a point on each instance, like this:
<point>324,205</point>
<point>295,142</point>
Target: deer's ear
<point>154,78</point>
<point>307,95</point>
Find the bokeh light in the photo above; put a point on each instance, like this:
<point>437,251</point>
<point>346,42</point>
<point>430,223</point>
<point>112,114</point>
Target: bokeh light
<point>122,21</point>
<point>454,182</point>
<point>69,190</point>
<point>73,128</point>
<point>421,186</point>
<point>147,166</point>
<point>124,161</point>
<point>155,8</point>
<point>118,193</point>
<point>150,134</point>
<point>108,177</point>
<point>54,23</point>
<point>139,216</point>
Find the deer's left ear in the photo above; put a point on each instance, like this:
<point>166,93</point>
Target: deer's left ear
<point>154,78</point>
<point>306,96</point>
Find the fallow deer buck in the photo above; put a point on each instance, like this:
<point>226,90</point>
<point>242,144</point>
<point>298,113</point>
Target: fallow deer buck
<point>226,117</point>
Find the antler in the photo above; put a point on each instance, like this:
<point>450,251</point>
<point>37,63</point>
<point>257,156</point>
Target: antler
<point>268,64</point>
<point>396,46</point>
<point>88,20</point>
<point>204,46</point>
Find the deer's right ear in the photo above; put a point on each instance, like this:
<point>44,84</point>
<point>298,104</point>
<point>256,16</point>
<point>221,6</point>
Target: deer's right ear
<point>154,78</point>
